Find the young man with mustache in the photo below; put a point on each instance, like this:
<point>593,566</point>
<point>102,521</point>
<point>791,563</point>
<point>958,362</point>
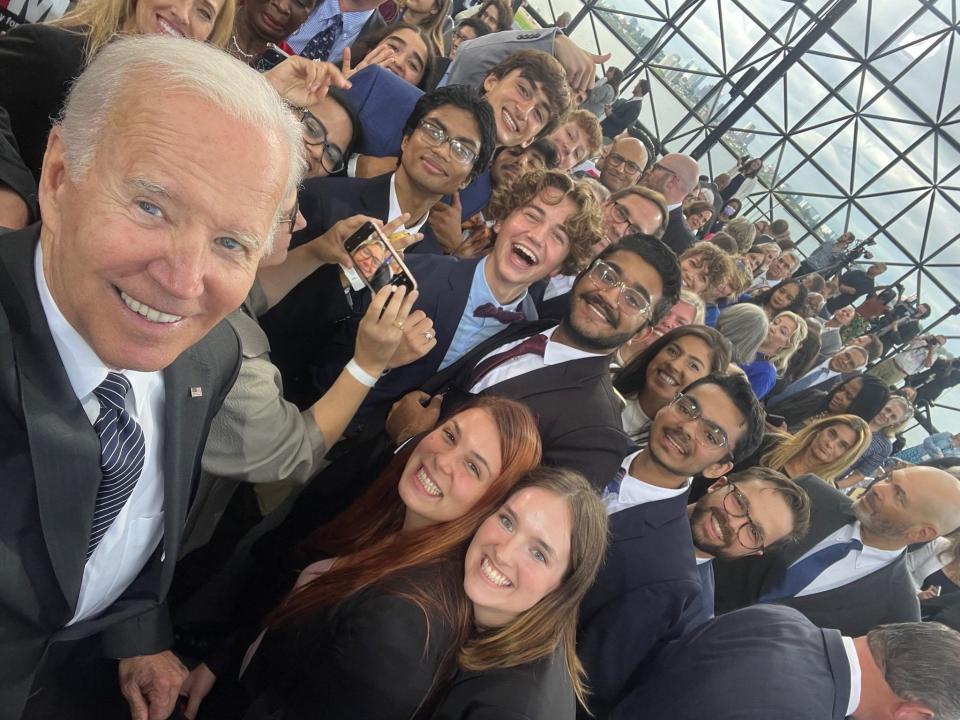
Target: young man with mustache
<point>649,588</point>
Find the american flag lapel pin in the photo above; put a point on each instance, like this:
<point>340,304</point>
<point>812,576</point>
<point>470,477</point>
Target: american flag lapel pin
<point>196,392</point>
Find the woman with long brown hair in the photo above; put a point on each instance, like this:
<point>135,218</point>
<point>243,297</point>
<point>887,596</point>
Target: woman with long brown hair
<point>422,507</point>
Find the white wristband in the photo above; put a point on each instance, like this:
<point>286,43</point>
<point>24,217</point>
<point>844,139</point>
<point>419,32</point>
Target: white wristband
<point>360,375</point>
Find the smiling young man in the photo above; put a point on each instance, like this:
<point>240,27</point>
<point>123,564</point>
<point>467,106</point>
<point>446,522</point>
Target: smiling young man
<point>850,572</point>
<point>649,588</point>
<point>577,139</point>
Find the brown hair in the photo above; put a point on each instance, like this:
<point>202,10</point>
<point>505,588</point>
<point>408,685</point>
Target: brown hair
<point>539,68</point>
<point>100,20</point>
<point>718,263</point>
<point>432,25</point>
<point>590,126</point>
<point>651,195</point>
<point>366,538</point>
<point>552,622</point>
<point>794,496</point>
<point>698,206</point>
<point>584,228</point>
<point>504,13</point>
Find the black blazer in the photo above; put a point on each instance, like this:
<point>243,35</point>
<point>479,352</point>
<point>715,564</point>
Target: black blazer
<point>576,407</point>
<point>758,663</point>
<point>38,64</point>
<point>885,596</point>
<point>376,655</point>
<point>646,589</point>
<point>678,237</point>
<point>50,468</point>
<point>539,690</point>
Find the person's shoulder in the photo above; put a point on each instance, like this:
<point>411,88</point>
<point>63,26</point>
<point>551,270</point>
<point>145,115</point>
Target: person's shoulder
<point>53,42</point>
<point>219,350</point>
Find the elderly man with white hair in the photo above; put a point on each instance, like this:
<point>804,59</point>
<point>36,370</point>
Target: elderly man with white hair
<point>161,188</point>
<point>674,176</point>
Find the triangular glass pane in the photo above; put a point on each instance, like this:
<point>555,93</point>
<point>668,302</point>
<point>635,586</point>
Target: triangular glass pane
<point>899,133</point>
<point>804,91</point>
<point>832,70</point>
<point>833,109</point>
<point>924,81</point>
<point>910,227</point>
<point>886,19</point>
<point>852,27</point>
<point>850,90</point>
<point>772,104</point>
<point>885,207</point>
<point>944,226</point>
<point>874,156</point>
<point>895,60</point>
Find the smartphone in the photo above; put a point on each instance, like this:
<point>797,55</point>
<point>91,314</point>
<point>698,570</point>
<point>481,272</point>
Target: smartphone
<point>375,260</point>
<point>776,419</point>
<point>271,57</point>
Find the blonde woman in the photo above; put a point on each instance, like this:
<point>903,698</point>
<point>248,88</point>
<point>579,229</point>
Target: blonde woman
<point>826,447</point>
<point>39,62</point>
<point>785,333</point>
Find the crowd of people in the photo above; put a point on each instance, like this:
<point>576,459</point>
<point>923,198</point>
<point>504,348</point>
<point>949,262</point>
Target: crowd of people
<point>365,359</point>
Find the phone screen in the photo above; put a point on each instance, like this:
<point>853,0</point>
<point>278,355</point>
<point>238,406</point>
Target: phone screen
<point>376,261</point>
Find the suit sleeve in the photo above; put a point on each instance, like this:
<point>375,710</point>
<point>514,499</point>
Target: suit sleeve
<point>595,452</point>
<point>615,641</point>
<point>475,59</point>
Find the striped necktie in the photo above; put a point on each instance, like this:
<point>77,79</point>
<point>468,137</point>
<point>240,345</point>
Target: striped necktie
<point>121,455</point>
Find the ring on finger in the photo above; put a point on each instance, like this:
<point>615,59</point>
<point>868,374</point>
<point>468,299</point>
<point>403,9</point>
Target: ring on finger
<point>398,324</point>
<point>428,335</point>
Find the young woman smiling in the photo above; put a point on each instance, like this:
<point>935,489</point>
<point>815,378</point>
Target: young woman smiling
<point>525,573</point>
<point>428,501</point>
<point>404,49</point>
<point>788,296</point>
<point>826,447</point>
<point>655,376</point>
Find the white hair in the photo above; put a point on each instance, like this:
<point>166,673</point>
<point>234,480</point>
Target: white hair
<point>176,65</point>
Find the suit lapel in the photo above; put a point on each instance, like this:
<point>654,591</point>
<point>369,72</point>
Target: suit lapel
<point>64,449</point>
<point>375,197</point>
<point>552,378</point>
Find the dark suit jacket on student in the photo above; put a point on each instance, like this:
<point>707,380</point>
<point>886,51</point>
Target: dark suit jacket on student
<point>646,588</point>
<point>884,596</point>
<point>50,467</point>
<point>760,662</point>
<point>536,691</point>
<point>574,402</point>
<point>678,237</point>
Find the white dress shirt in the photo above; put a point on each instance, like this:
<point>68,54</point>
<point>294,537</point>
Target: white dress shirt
<point>554,354</point>
<point>395,210</point>
<point>855,675</point>
<point>634,491</point>
<point>134,534</point>
<point>857,564</point>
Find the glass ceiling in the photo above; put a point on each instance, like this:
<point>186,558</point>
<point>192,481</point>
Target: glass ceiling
<point>860,134</point>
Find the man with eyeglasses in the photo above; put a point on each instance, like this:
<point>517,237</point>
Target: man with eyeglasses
<point>850,571</point>
<point>560,369</point>
<point>649,586</point>
<point>623,164</point>
<point>448,139</point>
<point>674,176</point>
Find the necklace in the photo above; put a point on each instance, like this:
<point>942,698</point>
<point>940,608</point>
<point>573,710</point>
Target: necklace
<point>240,53</point>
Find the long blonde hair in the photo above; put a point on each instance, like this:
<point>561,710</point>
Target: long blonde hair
<point>101,20</point>
<point>552,622</point>
<point>792,445</point>
<point>432,25</point>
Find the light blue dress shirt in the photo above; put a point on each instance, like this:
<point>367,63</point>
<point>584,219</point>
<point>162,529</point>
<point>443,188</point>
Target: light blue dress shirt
<point>474,330</point>
<point>326,11</point>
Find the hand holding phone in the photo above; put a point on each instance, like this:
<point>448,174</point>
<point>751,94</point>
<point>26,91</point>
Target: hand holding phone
<point>376,261</point>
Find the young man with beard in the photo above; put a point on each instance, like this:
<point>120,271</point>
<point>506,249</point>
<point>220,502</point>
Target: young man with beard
<point>560,370</point>
<point>649,587</point>
<point>850,571</point>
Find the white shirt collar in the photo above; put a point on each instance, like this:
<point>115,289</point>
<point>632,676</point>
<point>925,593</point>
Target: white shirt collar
<point>701,561</point>
<point>395,208</point>
<point>556,353</point>
<point>634,491</point>
<point>855,675</point>
<point>674,206</point>
<point>83,366</point>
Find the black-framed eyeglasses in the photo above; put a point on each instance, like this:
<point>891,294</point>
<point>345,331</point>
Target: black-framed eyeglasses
<point>291,219</point>
<point>630,300</point>
<point>658,166</point>
<point>709,434</point>
<point>622,216</point>
<point>437,136</point>
<point>315,135</point>
<point>749,534</point>
<point>629,165</point>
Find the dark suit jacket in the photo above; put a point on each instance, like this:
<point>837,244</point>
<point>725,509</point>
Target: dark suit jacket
<point>647,586</point>
<point>884,596</point>
<point>373,656</point>
<point>624,113</point>
<point>678,237</point>
<point>762,662</point>
<point>50,467</point>
<point>576,407</point>
<point>536,691</point>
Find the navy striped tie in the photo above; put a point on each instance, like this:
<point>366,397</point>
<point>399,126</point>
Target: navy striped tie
<point>121,455</point>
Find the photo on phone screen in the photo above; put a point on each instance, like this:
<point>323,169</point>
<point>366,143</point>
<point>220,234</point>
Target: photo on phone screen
<point>375,260</point>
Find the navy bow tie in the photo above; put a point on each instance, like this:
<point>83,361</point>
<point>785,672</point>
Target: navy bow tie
<point>492,311</point>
